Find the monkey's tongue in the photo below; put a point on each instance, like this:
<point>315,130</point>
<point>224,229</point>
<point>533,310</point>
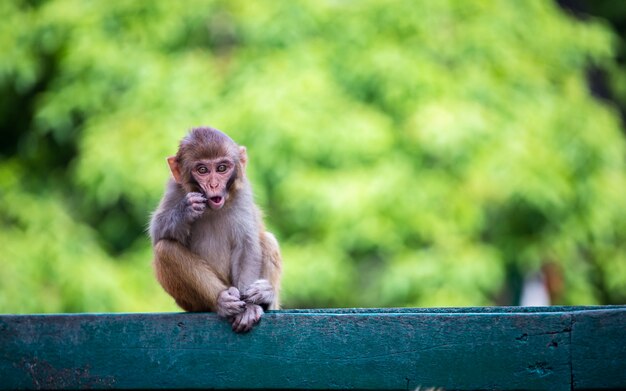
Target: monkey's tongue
<point>216,201</point>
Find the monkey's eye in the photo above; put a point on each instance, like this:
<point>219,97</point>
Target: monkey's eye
<point>222,168</point>
<point>202,170</point>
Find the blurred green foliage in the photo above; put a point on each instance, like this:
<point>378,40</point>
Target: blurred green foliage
<point>406,153</point>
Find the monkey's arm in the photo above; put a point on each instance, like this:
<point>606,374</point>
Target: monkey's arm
<point>272,269</point>
<point>262,293</point>
<point>245,239</point>
<point>177,210</point>
<point>266,290</point>
<point>246,264</point>
<point>192,282</point>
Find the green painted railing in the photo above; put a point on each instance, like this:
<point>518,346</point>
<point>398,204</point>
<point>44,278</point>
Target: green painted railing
<point>501,348</point>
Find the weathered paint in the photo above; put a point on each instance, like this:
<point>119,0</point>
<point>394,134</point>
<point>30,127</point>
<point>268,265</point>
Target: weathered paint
<point>599,350</point>
<point>495,348</point>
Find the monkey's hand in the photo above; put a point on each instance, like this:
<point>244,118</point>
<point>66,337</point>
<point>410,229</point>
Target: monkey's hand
<point>244,321</point>
<point>229,303</point>
<point>194,206</point>
<point>259,292</point>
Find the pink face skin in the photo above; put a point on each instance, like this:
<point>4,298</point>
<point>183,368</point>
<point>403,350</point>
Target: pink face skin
<point>213,176</point>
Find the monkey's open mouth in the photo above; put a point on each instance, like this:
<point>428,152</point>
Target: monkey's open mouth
<point>216,202</point>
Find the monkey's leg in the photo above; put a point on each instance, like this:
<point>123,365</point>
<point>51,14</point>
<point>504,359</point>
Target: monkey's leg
<point>266,290</point>
<point>192,282</point>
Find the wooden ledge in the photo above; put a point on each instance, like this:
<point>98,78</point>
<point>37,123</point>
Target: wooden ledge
<point>491,348</point>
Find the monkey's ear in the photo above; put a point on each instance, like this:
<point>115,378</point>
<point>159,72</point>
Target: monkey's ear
<point>243,156</point>
<point>174,168</point>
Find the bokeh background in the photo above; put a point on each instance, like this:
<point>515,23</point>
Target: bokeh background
<point>406,153</point>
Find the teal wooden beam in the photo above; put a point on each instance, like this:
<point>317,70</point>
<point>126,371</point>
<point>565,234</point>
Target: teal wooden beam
<point>492,348</point>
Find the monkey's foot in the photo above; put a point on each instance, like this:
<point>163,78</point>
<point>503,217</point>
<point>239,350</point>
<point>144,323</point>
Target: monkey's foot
<point>259,292</point>
<point>229,303</point>
<point>244,321</point>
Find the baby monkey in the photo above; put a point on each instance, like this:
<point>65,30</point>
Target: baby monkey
<point>211,250</point>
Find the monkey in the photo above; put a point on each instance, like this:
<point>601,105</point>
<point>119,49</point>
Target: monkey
<point>211,249</point>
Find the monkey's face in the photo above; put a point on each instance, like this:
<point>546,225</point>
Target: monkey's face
<point>215,177</point>
<point>211,163</point>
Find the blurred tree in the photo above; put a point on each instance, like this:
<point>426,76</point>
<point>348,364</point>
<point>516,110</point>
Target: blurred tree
<point>608,82</point>
<point>406,153</point>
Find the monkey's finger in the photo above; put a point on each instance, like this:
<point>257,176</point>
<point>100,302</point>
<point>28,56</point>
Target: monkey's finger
<point>196,201</point>
<point>233,302</point>
<point>230,294</point>
<point>259,291</point>
<point>234,308</point>
<point>238,305</point>
<point>238,327</point>
<point>198,207</point>
<point>195,196</point>
<point>238,323</point>
<point>255,317</point>
<point>234,305</point>
<point>246,323</point>
<point>249,318</point>
<point>254,298</point>
<point>261,297</point>
<point>258,312</point>
<point>229,304</point>
<point>233,292</point>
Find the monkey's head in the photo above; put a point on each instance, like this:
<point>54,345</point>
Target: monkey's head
<point>211,163</point>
